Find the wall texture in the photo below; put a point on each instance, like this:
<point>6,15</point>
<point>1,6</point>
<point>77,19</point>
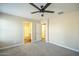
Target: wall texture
<point>64,30</point>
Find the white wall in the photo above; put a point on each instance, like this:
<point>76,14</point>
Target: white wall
<point>64,30</point>
<point>36,31</point>
<point>11,30</point>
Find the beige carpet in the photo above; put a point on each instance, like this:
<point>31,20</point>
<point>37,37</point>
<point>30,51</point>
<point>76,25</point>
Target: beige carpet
<point>38,49</point>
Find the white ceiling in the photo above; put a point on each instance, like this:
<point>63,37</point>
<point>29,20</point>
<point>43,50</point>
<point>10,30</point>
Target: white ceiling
<point>24,9</point>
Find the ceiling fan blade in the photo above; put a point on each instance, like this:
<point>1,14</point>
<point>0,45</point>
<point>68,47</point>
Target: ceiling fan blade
<point>35,12</point>
<point>34,6</point>
<point>49,11</point>
<point>46,6</point>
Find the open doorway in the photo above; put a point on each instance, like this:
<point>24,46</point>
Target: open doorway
<point>27,32</point>
<point>43,32</point>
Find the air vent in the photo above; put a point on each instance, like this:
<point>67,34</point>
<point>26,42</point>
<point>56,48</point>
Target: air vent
<point>60,12</point>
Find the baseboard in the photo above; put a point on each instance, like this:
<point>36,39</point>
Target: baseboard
<point>10,46</point>
<point>14,45</point>
<point>35,41</point>
<point>64,46</point>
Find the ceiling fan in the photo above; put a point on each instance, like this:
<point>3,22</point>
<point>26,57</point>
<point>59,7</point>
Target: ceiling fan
<point>42,9</point>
